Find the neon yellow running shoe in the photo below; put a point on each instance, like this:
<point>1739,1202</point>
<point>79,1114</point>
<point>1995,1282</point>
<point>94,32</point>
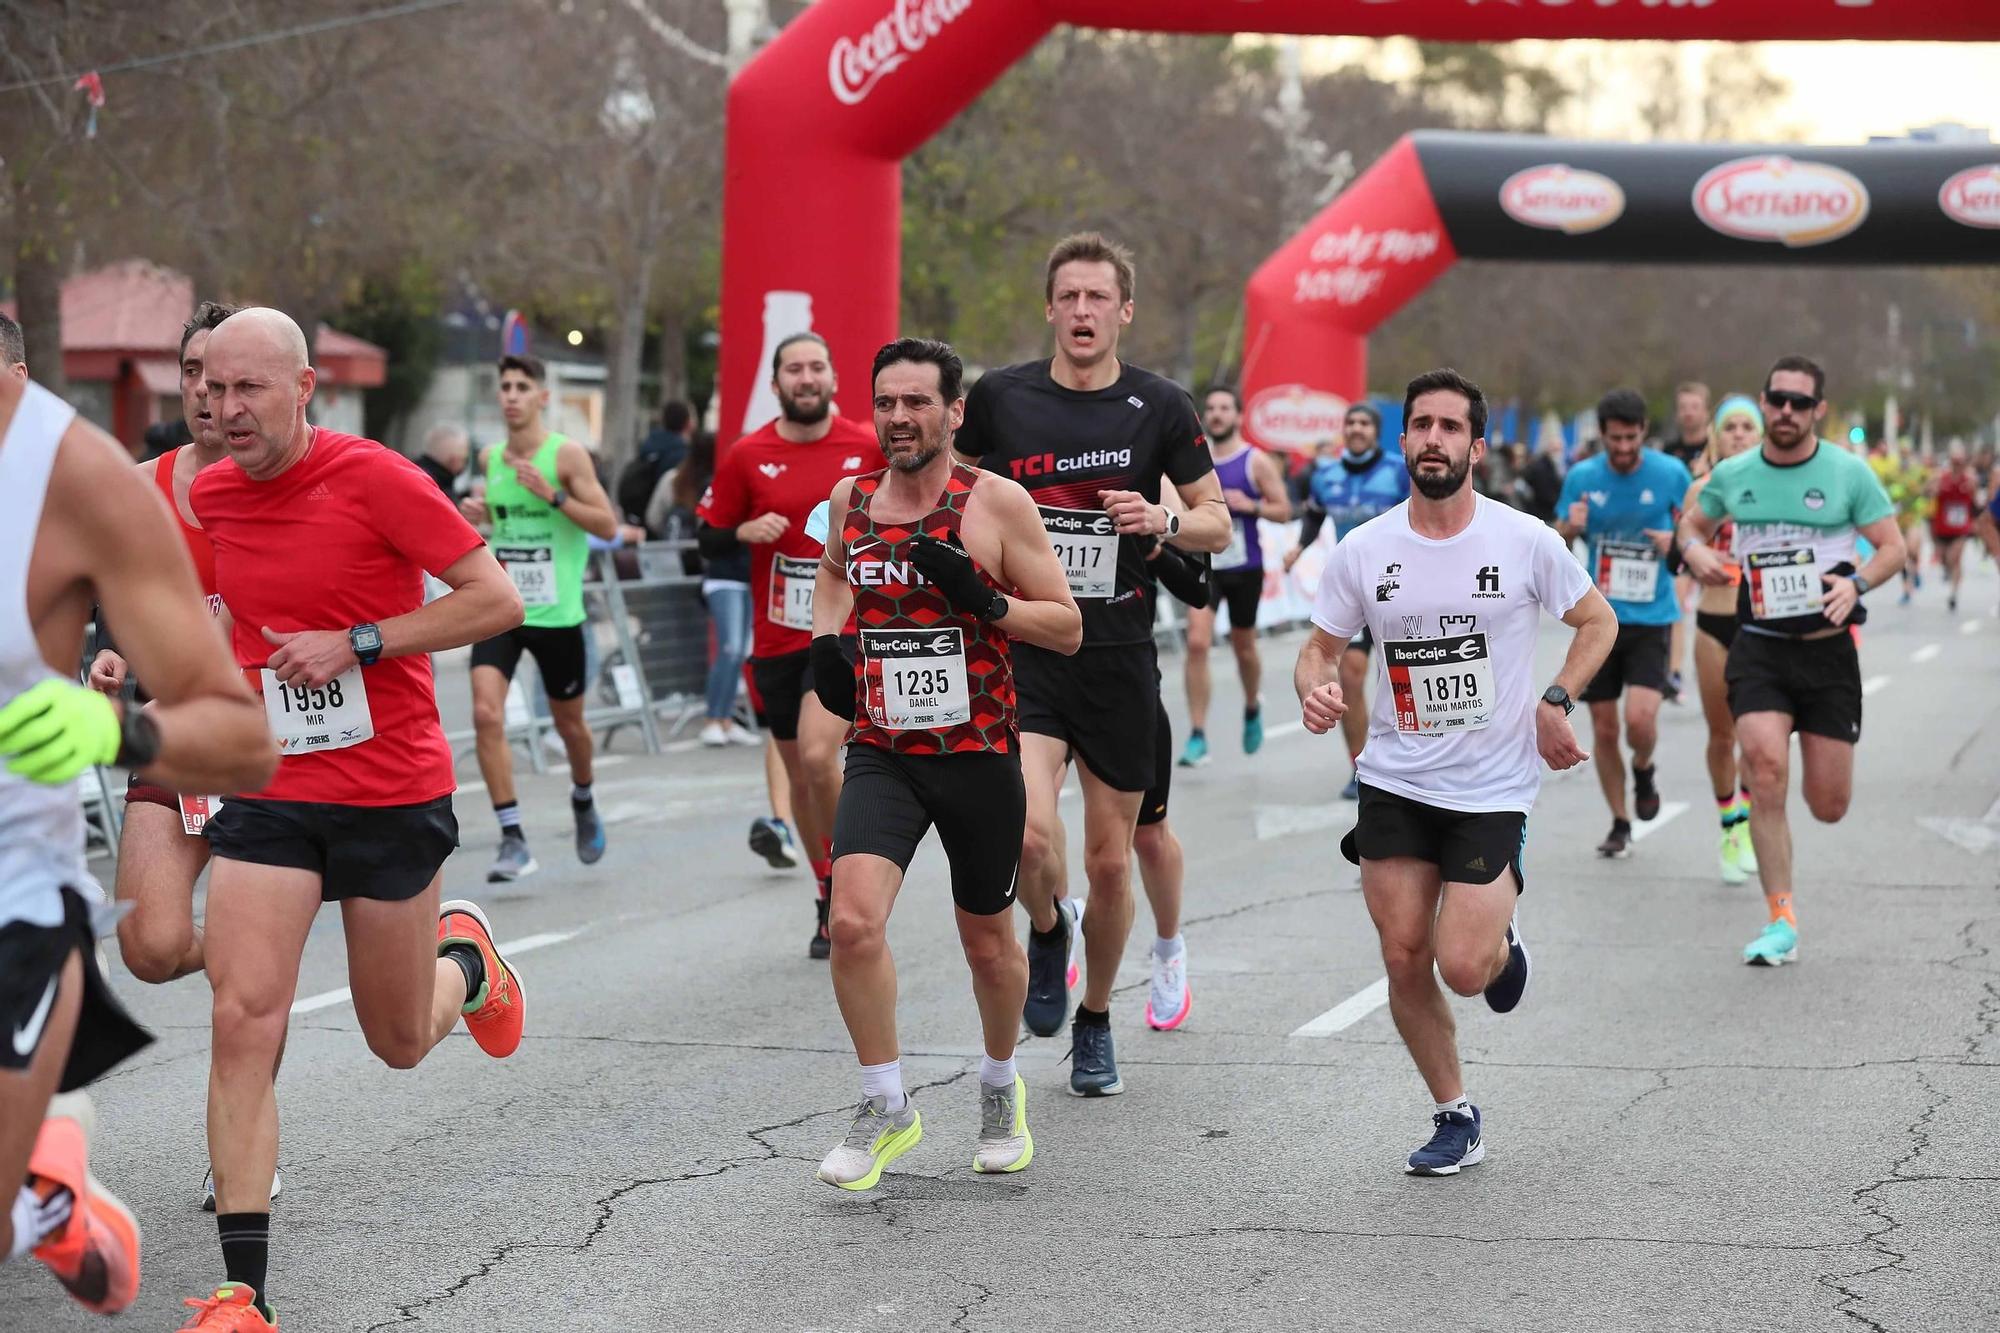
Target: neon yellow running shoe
<point>877,1137</point>
<point>1733,870</point>
<point>1004,1141</point>
<point>1746,851</point>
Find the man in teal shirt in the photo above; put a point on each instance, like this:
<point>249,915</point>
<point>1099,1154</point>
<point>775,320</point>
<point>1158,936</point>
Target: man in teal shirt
<point>542,498</point>
<point>1801,507</point>
<point>1623,503</point>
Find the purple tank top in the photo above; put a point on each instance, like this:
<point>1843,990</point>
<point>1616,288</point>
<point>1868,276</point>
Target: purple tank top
<point>1246,548</point>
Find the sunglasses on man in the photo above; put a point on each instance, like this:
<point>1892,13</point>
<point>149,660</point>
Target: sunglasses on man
<point>1798,402</point>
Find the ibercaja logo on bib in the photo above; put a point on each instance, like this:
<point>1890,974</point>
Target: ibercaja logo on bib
<point>1779,199</point>
<point>1972,197</point>
<point>1294,416</point>
<point>1559,197</point>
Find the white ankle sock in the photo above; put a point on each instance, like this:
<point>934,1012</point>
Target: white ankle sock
<point>885,1081</point>
<point>1166,950</point>
<point>35,1221</point>
<point>996,1073</point>
<point>1461,1105</point>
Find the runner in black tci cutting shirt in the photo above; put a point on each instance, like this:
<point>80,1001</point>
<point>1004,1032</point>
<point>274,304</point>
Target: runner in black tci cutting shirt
<point>1091,440</point>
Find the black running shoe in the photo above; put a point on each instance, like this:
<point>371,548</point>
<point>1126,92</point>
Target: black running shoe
<point>821,945</point>
<point>1048,978</point>
<point>1619,843</point>
<point>1093,1070</point>
<point>1645,796</point>
<point>1512,983</point>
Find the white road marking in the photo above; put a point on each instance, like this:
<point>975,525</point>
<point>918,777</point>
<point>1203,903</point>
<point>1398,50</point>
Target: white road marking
<point>1874,683</point>
<point>1969,627</point>
<point>1349,1011</point>
<point>1927,652</point>
<point>1669,812</point>
<point>526,944</point>
<point>1283,729</point>
<point>1281,821</point>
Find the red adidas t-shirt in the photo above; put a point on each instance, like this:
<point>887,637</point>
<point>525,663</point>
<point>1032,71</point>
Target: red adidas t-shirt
<point>764,473</point>
<point>341,538</point>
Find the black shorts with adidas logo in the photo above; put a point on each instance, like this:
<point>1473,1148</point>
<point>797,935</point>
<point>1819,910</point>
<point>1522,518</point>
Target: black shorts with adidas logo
<point>1467,848</point>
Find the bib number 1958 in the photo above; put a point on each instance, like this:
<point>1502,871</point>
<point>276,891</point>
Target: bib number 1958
<point>306,719</point>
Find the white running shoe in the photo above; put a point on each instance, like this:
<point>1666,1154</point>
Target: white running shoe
<point>1170,998</point>
<point>736,734</point>
<point>1074,906</point>
<point>713,736</point>
<point>208,1190</point>
<point>1004,1141</point>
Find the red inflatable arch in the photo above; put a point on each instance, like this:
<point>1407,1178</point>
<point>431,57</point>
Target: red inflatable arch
<point>820,122</point>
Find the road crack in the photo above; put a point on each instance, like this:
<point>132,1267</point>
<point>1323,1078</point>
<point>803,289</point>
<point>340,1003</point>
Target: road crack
<point>1870,1198</point>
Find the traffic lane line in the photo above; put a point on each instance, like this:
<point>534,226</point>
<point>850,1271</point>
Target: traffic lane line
<point>560,766</point>
<point>526,944</point>
<point>1669,812</point>
<point>1927,652</point>
<point>1348,1012</point>
<point>1874,684</point>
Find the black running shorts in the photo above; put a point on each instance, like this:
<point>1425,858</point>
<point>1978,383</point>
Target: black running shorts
<point>1466,848</point>
<point>558,655</point>
<point>1817,681</point>
<point>1721,628</point>
<point>780,686</point>
<point>1638,659</point>
<point>976,801</point>
<point>1153,807</point>
<point>1103,703</point>
<point>1241,590</point>
<point>32,959</point>
<point>388,853</point>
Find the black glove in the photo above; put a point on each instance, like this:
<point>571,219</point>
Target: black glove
<point>1182,573</point>
<point>946,567</point>
<point>833,676</point>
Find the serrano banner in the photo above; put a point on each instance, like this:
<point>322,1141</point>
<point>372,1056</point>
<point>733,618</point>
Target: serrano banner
<point>820,121</point>
<point>1436,197</point>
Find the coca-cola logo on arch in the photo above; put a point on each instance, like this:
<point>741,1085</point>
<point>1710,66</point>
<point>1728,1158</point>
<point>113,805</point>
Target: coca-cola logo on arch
<point>1559,197</point>
<point>1973,196</point>
<point>856,64</point>
<point>1781,200</point>
<point>1294,416</point>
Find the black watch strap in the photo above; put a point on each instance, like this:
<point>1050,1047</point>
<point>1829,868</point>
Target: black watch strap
<point>138,739</point>
<point>366,641</point>
<point>995,609</point>
<point>1557,695</point>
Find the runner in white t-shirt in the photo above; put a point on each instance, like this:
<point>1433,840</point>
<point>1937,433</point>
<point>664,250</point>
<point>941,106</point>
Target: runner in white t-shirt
<point>1452,587</point>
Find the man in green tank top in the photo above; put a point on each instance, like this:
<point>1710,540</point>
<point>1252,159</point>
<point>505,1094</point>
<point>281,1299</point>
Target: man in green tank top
<point>540,495</point>
<point>1801,507</point>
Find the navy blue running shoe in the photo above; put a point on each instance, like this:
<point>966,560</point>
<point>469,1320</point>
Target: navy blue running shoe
<point>1093,1070</point>
<point>1512,983</point>
<point>1457,1143</point>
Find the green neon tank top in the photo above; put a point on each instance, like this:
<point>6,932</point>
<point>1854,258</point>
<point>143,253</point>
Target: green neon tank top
<point>541,550</point>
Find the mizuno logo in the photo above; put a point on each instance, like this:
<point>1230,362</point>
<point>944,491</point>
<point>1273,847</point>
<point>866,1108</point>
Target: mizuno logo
<point>29,1034</point>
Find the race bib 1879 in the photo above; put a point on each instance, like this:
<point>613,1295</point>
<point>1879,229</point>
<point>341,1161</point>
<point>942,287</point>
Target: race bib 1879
<point>792,581</point>
<point>914,679</point>
<point>533,569</point>
<point>1440,685</point>
<point>1784,583</point>
<point>304,720</point>
<point>1086,542</point>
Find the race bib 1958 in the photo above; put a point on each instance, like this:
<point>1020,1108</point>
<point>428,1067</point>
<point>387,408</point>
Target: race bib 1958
<point>533,569</point>
<point>1784,583</point>
<point>1440,685</point>
<point>1086,542</point>
<point>332,717</point>
<point>915,678</point>
<point>792,580</point>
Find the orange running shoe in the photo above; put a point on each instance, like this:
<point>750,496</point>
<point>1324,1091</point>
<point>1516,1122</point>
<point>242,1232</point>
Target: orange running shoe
<point>494,1016</point>
<point>233,1309</point>
<point>96,1253</point>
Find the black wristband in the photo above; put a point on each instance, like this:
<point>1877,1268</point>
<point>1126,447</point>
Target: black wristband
<point>138,739</point>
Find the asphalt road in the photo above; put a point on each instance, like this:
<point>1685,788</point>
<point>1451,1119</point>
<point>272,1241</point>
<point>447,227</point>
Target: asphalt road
<point>1675,1140</point>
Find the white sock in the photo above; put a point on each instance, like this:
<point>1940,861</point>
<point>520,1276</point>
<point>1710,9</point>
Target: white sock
<point>885,1081</point>
<point>35,1221</point>
<point>1167,950</point>
<point>1460,1105</point>
<point>996,1073</point>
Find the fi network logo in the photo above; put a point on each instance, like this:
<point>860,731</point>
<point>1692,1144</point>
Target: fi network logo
<point>1488,582</point>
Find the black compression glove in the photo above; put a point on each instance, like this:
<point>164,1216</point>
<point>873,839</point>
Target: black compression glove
<point>833,676</point>
<point>947,567</point>
<point>1182,573</point>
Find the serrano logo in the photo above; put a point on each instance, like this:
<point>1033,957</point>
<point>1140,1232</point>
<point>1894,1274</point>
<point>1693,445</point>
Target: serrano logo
<point>1973,196</point>
<point>1778,199</point>
<point>1294,416</point>
<point>1558,197</point>
<point>857,64</point>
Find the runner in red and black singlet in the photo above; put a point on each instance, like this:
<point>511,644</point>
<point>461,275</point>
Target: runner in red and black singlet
<point>941,568</point>
<point>1954,506</point>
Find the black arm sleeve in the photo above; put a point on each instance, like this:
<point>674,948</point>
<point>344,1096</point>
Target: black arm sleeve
<point>1182,573</point>
<point>714,543</point>
<point>1309,526</point>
